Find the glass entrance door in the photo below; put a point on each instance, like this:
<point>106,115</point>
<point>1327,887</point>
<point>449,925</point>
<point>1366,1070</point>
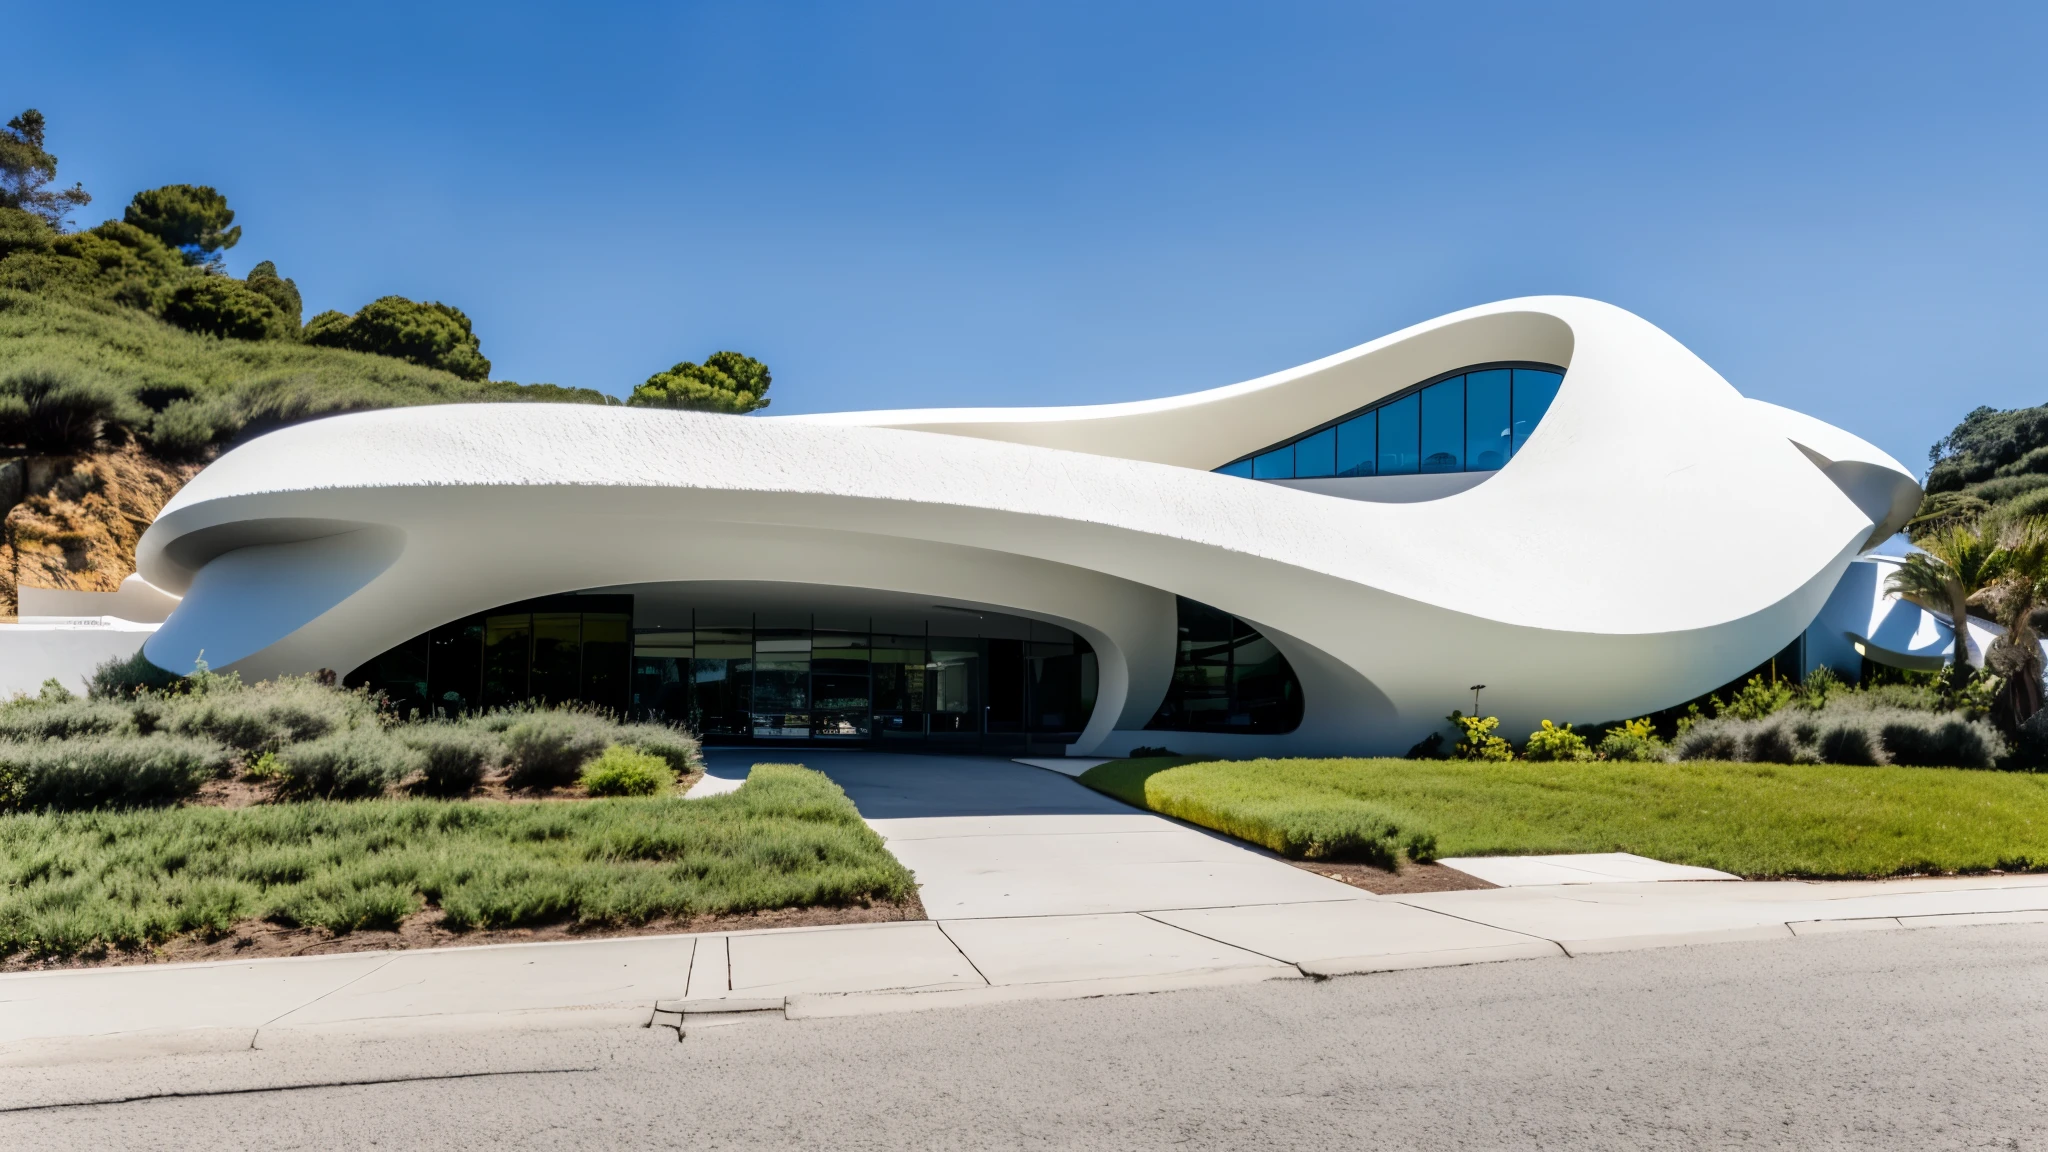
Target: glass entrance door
<point>839,685</point>
<point>782,684</point>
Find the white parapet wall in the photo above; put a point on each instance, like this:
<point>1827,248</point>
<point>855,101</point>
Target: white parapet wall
<point>64,649</point>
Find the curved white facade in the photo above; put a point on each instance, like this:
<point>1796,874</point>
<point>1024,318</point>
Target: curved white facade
<point>1569,582</point>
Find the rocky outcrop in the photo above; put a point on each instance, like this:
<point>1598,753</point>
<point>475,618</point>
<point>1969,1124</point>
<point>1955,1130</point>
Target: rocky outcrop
<point>72,521</point>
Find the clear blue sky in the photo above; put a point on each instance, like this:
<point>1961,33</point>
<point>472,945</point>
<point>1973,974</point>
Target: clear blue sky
<point>1840,207</point>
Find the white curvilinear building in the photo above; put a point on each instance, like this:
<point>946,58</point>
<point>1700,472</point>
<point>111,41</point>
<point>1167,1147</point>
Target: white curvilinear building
<point>1547,496</point>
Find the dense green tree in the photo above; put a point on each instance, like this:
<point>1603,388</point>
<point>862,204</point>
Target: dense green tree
<point>283,292</point>
<point>23,232</point>
<point>725,382</point>
<point>224,306</point>
<point>431,334</point>
<point>193,218</point>
<point>26,169</point>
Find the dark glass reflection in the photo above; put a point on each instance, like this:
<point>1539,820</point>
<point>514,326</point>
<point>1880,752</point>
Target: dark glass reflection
<point>1443,426</point>
<point>1275,465</point>
<point>556,650</point>
<point>1487,432</point>
<point>1226,678</point>
<point>1534,390</point>
<point>1401,436</point>
<point>1358,446</point>
<point>1316,455</point>
<point>1473,421</point>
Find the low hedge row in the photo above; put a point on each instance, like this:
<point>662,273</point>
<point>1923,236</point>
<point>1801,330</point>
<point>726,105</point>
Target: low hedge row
<point>311,740</point>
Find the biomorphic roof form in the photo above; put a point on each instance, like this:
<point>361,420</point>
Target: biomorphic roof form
<point>1572,580</point>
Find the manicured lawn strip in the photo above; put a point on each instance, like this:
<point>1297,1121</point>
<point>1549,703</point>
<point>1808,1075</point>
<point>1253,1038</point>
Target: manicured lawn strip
<point>1816,820</point>
<point>77,883</point>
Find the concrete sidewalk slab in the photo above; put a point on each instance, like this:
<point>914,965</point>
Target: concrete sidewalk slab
<point>228,995</point>
<point>957,827</point>
<point>1350,936</point>
<point>1577,868</point>
<point>1047,949</point>
<point>959,886</point>
<point>846,958</point>
<point>1064,765</point>
<point>1611,917</point>
<point>629,974</point>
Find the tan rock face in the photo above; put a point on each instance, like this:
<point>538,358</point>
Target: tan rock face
<point>72,521</point>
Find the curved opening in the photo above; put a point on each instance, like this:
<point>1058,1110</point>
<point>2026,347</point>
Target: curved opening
<point>1471,420</point>
<point>1226,678</point>
<point>761,664</point>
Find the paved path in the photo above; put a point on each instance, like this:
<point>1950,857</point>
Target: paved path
<point>994,838</point>
<point>1892,1040</point>
<point>1040,890</point>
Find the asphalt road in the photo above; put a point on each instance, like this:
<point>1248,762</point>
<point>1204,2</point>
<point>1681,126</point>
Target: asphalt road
<point>1905,1039</point>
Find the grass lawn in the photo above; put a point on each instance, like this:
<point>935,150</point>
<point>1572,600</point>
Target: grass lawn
<point>80,883</point>
<point>1751,819</point>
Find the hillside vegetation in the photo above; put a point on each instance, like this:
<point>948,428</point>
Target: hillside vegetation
<point>129,358</point>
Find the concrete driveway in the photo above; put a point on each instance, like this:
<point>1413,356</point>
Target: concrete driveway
<point>993,838</point>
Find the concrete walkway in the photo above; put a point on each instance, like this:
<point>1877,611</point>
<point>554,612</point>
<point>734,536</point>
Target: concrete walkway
<point>1038,888</point>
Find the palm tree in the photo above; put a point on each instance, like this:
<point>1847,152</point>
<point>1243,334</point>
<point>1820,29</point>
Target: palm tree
<point>1954,564</point>
<point>2021,565</point>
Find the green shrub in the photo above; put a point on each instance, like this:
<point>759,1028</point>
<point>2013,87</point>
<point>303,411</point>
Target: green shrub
<point>121,679</point>
<point>349,765</point>
<point>547,749</point>
<point>623,771</point>
<point>1848,735</point>
<point>456,757</point>
<point>118,771</point>
<point>676,747</point>
<point>225,307</point>
<point>37,719</point>
<point>267,716</point>
<point>1476,739</point>
<point>1633,740</point>
<point>1551,742</point>
<point>59,410</point>
<point>1758,698</point>
<point>184,430</point>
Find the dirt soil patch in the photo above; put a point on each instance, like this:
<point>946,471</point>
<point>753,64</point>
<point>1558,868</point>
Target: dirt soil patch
<point>257,939</point>
<point>1411,878</point>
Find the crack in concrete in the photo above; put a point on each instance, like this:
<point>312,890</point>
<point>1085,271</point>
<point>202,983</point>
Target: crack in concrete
<point>368,1082</point>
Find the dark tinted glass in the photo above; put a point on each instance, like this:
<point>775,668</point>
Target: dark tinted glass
<point>1226,678</point>
<point>839,684</point>
<point>1400,436</point>
<point>607,659</point>
<point>557,656</point>
<point>1473,422</point>
<point>507,644</point>
<point>782,684</point>
<point>455,667</point>
<point>1358,445</point>
<point>1316,455</point>
<point>1275,465</point>
<point>1443,426</point>
<point>1534,391</point>
<point>1487,438</point>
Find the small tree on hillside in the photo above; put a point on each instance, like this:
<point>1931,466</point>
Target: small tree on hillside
<point>431,334</point>
<point>193,218</point>
<point>26,170</point>
<point>725,382</point>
